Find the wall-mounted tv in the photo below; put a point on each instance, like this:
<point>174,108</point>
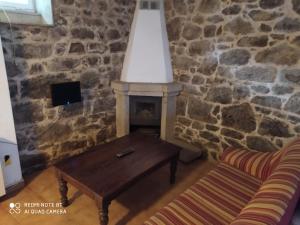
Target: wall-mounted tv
<point>65,93</point>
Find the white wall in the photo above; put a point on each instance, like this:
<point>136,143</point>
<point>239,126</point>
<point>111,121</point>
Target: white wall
<point>8,142</point>
<point>2,186</point>
<point>147,58</point>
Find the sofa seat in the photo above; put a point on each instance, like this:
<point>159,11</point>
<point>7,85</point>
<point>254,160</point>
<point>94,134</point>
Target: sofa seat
<point>215,199</point>
<point>246,188</point>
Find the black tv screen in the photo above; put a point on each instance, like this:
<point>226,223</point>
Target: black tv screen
<point>65,93</point>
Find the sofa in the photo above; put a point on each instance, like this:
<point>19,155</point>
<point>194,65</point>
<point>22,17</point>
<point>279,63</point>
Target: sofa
<point>245,188</point>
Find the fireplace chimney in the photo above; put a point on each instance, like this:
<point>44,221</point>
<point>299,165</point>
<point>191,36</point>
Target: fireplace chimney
<point>147,58</point>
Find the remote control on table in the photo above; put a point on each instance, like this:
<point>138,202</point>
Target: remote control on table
<point>125,152</point>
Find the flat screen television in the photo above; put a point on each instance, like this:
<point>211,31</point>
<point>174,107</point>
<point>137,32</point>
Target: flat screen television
<point>65,93</point>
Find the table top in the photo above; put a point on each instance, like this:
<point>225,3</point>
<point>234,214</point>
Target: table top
<point>98,171</point>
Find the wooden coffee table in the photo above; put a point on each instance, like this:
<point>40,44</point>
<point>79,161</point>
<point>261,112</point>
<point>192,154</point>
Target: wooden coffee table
<point>102,176</point>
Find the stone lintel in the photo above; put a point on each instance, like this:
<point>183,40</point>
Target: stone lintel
<point>147,89</point>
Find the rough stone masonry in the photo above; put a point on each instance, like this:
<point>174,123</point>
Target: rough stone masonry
<point>87,43</point>
<point>237,59</point>
<point>239,63</point>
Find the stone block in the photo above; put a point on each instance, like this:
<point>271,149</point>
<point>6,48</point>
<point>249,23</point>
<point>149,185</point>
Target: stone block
<point>273,127</point>
<point>90,79</point>
<point>291,76</point>
<point>235,57</point>
<point>239,26</point>
<point>174,28</point>
<point>117,47</point>
<point>288,25</point>
<point>209,6</point>
<point>282,54</point>
<point>191,31</point>
<point>267,101</point>
<point>260,144</point>
<point>113,34</point>
<point>209,136</point>
<point>180,6</point>
<point>33,51</point>
<point>293,104</point>
<point>296,41</point>
<point>208,66</point>
<point>231,10</point>
<point>258,74</point>
<point>77,48</point>
<point>232,134</point>
<point>260,89</point>
<point>296,6</point>
<point>210,31</point>
<point>270,4</point>
<point>82,33</point>
<point>200,110</point>
<point>200,48</point>
<point>255,41</point>
<point>261,15</point>
<point>28,112</point>
<point>221,95</point>
<point>282,90</point>
<point>73,145</point>
<point>241,92</point>
<point>181,104</point>
<point>240,117</point>
<point>39,87</point>
<point>12,68</point>
<point>64,64</point>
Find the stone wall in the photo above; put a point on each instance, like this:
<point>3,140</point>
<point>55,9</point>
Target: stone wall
<point>87,43</point>
<point>239,63</point>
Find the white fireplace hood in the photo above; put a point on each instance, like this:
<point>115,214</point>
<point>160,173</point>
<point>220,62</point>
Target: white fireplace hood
<point>147,58</point>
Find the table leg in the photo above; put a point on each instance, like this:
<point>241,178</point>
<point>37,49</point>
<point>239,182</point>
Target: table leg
<point>103,212</point>
<point>173,169</point>
<point>63,189</point>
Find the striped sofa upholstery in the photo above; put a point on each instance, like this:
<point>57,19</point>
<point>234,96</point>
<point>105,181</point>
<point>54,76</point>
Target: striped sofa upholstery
<point>246,188</point>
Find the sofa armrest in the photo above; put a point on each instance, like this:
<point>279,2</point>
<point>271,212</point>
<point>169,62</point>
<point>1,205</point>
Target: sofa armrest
<point>276,199</point>
<point>252,162</point>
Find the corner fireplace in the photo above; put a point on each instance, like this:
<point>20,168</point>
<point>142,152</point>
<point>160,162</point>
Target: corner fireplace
<point>146,104</point>
<point>147,72</point>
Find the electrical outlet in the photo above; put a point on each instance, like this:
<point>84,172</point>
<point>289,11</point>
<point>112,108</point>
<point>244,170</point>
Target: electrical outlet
<point>7,160</point>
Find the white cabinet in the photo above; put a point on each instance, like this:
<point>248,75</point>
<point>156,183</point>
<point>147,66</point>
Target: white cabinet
<point>10,163</point>
<point>9,155</point>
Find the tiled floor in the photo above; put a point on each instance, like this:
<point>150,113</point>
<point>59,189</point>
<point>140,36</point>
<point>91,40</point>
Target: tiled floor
<point>133,207</point>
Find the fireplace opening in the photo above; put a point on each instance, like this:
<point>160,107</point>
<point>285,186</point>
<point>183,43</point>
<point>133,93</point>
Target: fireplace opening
<point>145,114</point>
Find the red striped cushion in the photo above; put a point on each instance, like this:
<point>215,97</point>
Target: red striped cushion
<point>215,199</point>
<point>252,162</point>
<point>275,201</point>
